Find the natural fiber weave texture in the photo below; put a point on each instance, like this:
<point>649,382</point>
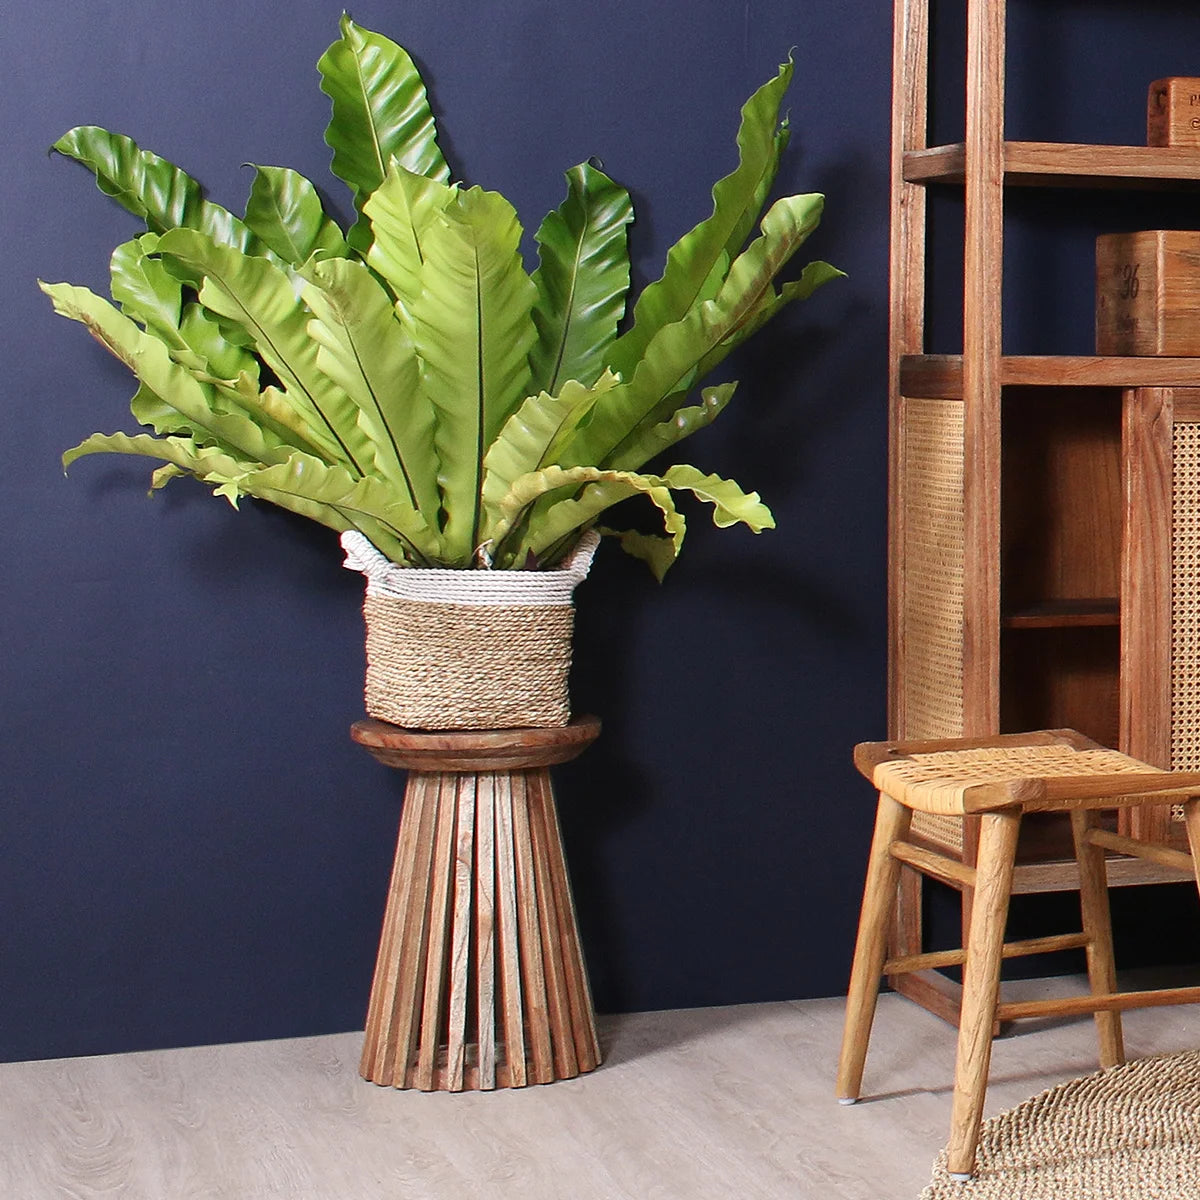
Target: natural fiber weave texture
<point>458,666</point>
<point>931,614</point>
<point>468,649</point>
<point>938,780</point>
<point>1185,599</point>
<point>1128,1133</point>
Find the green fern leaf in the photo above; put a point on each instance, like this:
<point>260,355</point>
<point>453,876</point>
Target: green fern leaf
<point>152,188</point>
<point>285,213</point>
<point>472,331</point>
<point>365,350</point>
<point>380,112</point>
<point>694,262</point>
<point>582,279</point>
<point>259,298</point>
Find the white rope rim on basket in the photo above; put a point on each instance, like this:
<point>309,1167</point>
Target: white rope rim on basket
<point>441,585</point>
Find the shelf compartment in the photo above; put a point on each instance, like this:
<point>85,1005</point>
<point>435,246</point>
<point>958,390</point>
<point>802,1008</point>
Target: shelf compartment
<point>1066,164</point>
<point>1066,614</point>
<point>940,376</point>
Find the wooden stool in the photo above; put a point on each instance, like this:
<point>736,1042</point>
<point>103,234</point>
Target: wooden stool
<point>1002,778</point>
<point>479,982</point>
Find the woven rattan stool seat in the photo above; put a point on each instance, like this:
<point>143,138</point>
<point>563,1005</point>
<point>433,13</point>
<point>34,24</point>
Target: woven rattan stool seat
<point>1044,770</point>
<point>994,782</point>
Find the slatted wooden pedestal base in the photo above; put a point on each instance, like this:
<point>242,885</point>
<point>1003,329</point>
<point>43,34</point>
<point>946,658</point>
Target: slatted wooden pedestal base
<point>479,982</point>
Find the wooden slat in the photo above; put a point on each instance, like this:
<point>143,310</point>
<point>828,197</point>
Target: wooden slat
<point>579,999</point>
<point>906,321</point>
<point>1118,1002</point>
<point>485,926</point>
<point>1062,875</point>
<point>1145,720</point>
<point>387,963</point>
<point>935,959</point>
<point>1065,164</point>
<point>558,1007</point>
<point>940,376</point>
<point>948,870</point>
<point>460,936</point>
<point>533,971</point>
<point>1066,614</point>
<point>437,950</point>
<point>399,1028</point>
<point>1175,860</point>
<point>933,992</point>
<point>982,291</point>
<point>507,937</point>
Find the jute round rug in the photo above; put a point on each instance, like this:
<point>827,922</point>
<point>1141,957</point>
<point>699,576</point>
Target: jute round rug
<point>1128,1133</point>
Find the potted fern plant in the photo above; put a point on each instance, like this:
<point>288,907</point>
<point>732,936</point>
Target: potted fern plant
<point>464,423</point>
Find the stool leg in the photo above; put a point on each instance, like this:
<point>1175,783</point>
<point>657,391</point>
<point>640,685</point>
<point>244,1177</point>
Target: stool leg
<point>981,984</point>
<point>1191,815</point>
<point>892,820</point>
<point>1097,925</point>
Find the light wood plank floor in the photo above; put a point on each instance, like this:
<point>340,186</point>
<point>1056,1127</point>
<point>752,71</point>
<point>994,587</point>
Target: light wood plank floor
<point>690,1105</point>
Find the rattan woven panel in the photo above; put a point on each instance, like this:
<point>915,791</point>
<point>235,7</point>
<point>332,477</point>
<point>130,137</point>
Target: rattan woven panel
<point>1185,599</point>
<point>938,780</point>
<point>931,615</point>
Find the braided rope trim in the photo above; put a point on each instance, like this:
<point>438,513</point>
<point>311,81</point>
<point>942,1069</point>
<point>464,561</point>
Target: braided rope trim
<point>440,585</point>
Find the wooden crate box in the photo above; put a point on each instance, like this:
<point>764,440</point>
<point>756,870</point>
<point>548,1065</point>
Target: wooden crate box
<point>1173,112</point>
<point>1148,293</point>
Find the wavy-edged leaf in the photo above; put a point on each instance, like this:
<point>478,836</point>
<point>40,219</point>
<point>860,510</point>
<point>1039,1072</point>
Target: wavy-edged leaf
<point>146,290</point>
<point>472,331</point>
<point>400,211</point>
<point>380,112</point>
<point>285,213</point>
<point>657,552</point>
<point>670,361</point>
<point>172,384</point>
<point>582,279</point>
<point>270,409</point>
<point>183,454</point>
<point>215,354</point>
<point>152,296</point>
<point>737,201</point>
<point>329,494</point>
<point>365,350</point>
<point>152,188</point>
<point>258,297</point>
<point>532,437</point>
<point>814,275</point>
<point>731,506</point>
<point>550,529</point>
<point>651,441</point>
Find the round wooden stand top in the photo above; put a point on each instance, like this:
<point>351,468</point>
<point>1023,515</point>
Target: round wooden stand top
<point>474,749</point>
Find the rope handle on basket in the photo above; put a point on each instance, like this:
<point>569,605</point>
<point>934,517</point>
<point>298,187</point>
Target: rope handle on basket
<point>385,576</point>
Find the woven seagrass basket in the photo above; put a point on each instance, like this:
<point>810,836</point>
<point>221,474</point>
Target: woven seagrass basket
<point>471,649</point>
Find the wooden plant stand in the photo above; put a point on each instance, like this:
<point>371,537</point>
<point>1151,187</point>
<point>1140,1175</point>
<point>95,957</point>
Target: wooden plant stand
<point>479,982</point>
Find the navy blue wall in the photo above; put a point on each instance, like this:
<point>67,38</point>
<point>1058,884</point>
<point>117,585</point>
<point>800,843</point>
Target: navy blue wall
<point>191,848</point>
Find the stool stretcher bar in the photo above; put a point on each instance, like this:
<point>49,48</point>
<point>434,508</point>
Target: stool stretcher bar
<point>955,958</point>
<point>1117,1002</point>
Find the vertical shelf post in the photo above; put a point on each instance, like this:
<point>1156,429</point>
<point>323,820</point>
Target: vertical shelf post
<point>982,284</point>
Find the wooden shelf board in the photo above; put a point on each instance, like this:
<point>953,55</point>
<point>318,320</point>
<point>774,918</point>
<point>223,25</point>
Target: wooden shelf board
<point>1065,614</point>
<point>1063,875</point>
<point>1065,164</point>
<point>940,376</point>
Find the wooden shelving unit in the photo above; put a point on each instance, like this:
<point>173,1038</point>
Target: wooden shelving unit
<point>1031,564</point>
